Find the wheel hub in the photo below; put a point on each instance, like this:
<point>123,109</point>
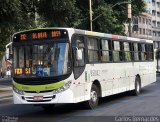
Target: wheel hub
<point>93,96</point>
<point>138,87</point>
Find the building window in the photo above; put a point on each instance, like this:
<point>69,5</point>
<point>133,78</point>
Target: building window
<point>153,2</point>
<point>150,32</point>
<point>149,21</point>
<point>140,20</point>
<point>146,21</point>
<point>144,31</point>
<point>143,20</point>
<point>140,30</point>
<point>154,23</point>
<point>153,12</point>
<point>158,4</point>
<point>154,33</point>
<point>158,24</point>
<point>158,14</point>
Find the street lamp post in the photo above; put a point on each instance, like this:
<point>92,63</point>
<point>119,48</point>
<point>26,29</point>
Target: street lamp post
<point>90,11</point>
<point>129,17</point>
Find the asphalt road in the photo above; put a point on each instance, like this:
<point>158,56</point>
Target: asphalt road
<point>122,107</point>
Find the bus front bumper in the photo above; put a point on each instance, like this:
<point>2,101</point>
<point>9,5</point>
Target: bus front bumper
<point>66,96</point>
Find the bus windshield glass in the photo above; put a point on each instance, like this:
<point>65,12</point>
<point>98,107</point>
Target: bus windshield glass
<point>41,60</point>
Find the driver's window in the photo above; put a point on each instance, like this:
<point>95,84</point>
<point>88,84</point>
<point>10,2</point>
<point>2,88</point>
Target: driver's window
<point>79,51</point>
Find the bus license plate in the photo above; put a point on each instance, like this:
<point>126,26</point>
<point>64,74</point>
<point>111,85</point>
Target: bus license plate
<point>36,98</point>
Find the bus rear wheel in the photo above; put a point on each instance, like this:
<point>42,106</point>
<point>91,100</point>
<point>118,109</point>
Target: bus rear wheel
<point>93,102</point>
<point>137,89</point>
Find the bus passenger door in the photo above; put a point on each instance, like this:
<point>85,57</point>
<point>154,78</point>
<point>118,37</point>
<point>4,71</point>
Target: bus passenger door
<point>78,50</point>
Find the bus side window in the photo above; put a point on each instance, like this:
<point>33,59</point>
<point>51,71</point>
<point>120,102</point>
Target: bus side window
<point>92,44</point>
<point>150,52</point>
<point>105,51</point>
<point>135,47</point>
<point>143,53</point>
<point>139,51</point>
<point>127,49</point>
<point>116,49</point>
<point>121,53</point>
<point>131,47</point>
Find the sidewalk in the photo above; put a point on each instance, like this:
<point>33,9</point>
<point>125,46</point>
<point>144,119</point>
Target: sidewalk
<point>5,88</point>
<point>5,93</point>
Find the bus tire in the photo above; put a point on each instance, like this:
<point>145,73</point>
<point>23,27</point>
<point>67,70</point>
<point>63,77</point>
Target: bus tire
<point>137,89</point>
<point>48,108</point>
<point>93,102</point>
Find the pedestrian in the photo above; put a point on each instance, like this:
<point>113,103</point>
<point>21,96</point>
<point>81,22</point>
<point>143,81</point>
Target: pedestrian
<point>8,73</point>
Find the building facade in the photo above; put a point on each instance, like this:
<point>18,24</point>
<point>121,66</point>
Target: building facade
<point>149,23</point>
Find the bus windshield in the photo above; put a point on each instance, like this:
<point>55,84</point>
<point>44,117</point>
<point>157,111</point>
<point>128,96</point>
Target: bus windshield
<point>43,60</point>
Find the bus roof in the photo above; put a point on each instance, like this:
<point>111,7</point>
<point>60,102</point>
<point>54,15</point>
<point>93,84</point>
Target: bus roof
<point>91,33</point>
<point>111,36</point>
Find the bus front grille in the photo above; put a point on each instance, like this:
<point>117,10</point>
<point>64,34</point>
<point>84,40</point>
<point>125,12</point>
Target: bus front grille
<point>44,98</point>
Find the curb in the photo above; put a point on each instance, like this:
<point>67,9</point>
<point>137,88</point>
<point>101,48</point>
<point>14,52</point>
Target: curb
<point>5,88</point>
<point>4,98</point>
<point>1,79</point>
<point>5,95</point>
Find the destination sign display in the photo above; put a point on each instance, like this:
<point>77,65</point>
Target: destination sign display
<point>20,71</point>
<point>39,35</point>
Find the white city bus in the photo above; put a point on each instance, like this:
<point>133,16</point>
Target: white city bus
<point>66,65</point>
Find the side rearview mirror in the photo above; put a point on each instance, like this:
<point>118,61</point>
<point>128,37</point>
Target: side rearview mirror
<point>79,54</point>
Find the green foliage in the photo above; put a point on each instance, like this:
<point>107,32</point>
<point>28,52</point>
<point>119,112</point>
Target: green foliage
<point>15,15</point>
<point>60,13</point>
<point>8,12</point>
<point>112,18</point>
<point>107,23</point>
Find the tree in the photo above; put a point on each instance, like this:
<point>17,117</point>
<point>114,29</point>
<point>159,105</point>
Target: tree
<point>120,11</point>
<point>111,19</point>
<point>59,13</point>
<point>15,15</point>
<point>8,13</point>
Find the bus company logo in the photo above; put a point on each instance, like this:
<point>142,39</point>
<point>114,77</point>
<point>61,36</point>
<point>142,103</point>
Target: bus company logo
<point>38,91</point>
<point>95,72</point>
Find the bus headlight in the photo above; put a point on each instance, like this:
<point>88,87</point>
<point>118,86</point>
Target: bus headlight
<point>18,91</point>
<point>63,88</point>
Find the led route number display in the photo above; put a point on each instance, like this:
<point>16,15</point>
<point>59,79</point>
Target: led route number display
<point>34,35</point>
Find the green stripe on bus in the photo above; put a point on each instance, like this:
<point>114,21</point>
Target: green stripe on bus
<point>38,88</point>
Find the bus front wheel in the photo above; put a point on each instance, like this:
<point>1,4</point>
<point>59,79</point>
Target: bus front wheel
<point>93,102</point>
